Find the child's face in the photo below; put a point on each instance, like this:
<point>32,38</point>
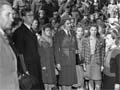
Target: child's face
<point>68,24</point>
<point>93,31</point>
<point>47,31</point>
<point>79,31</point>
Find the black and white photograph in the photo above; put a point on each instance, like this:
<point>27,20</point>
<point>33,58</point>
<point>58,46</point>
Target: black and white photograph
<point>59,44</point>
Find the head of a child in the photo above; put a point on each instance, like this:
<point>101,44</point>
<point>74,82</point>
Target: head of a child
<point>47,30</point>
<point>79,31</point>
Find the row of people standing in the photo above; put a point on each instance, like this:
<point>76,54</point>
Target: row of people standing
<point>25,41</point>
<point>59,53</point>
<point>66,45</point>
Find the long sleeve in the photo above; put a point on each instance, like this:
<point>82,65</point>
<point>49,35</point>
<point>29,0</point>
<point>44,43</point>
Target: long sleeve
<point>83,51</point>
<point>42,55</point>
<point>103,51</point>
<point>18,38</point>
<point>57,48</point>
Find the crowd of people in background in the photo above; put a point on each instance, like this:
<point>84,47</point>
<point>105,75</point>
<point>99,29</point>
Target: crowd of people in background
<point>66,44</point>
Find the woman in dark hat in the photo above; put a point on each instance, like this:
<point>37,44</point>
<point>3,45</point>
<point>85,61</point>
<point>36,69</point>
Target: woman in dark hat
<point>65,48</point>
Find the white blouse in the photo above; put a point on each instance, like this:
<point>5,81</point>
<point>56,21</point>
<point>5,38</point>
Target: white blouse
<point>92,45</point>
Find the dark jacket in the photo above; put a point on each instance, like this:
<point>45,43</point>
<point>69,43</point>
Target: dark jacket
<point>26,44</point>
<point>115,65</point>
<point>65,49</point>
<point>47,60</point>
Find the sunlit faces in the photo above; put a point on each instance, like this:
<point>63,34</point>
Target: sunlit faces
<point>35,24</point>
<point>67,24</point>
<point>6,17</point>
<point>93,31</point>
<point>14,13</point>
<point>79,31</point>
<point>41,13</point>
<point>47,31</point>
<point>91,17</point>
<point>29,17</point>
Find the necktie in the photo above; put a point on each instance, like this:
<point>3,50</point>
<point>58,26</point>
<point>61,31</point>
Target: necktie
<point>69,33</point>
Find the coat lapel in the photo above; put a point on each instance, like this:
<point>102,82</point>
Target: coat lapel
<point>30,34</point>
<point>63,33</point>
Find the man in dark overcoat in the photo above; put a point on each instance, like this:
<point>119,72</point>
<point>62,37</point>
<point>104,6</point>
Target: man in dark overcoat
<point>26,43</point>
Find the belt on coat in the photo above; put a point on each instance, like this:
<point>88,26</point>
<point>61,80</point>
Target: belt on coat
<point>68,49</point>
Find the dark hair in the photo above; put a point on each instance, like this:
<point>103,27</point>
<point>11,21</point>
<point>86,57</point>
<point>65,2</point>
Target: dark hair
<point>80,26</point>
<point>35,18</point>
<point>16,21</point>
<point>52,19</point>
<point>94,25</point>
<point>43,11</point>
<point>64,19</point>
<point>25,11</point>
<point>48,25</point>
<point>103,28</point>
